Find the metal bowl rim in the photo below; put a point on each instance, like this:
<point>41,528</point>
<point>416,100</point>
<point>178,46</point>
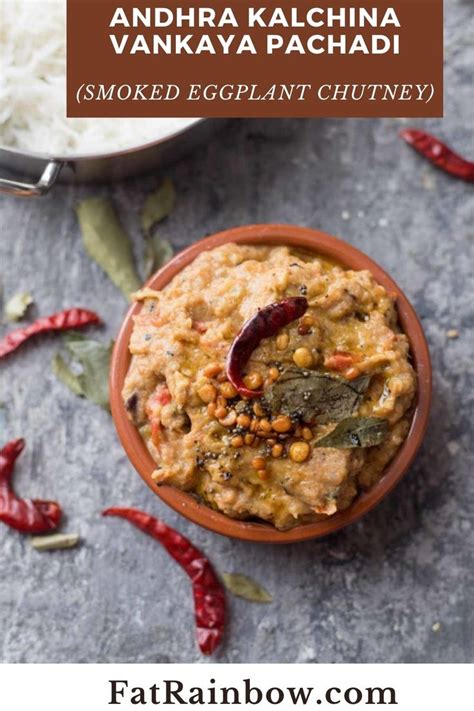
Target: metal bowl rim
<point>99,156</point>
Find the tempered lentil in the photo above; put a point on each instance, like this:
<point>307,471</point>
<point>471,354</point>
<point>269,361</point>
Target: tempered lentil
<point>277,450</point>
<point>302,357</point>
<point>207,393</point>
<point>213,369</point>
<point>253,381</point>
<point>230,419</point>
<point>244,421</point>
<point>282,423</point>
<point>299,451</point>
<point>273,374</point>
<point>258,463</point>
<point>228,391</point>
<point>282,341</point>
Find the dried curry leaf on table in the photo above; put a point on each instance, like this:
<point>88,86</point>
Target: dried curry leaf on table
<point>245,587</point>
<point>64,373</point>
<point>93,358</point>
<point>157,206</point>
<point>107,243</point>
<point>355,432</point>
<point>157,252</point>
<point>312,394</point>
<point>17,306</point>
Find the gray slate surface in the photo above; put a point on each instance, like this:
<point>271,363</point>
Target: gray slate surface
<point>371,593</point>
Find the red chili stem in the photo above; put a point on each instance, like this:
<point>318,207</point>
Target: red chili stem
<point>62,321</point>
<point>208,592</point>
<point>439,154</point>
<point>25,515</point>
<point>266,322</point>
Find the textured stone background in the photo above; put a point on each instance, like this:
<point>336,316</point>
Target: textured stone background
<point>371,593</point>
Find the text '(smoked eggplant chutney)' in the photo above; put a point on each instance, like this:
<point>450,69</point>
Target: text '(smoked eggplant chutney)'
<point>270,383</point>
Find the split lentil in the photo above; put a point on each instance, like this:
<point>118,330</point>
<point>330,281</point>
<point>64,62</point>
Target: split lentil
<point>282,423</point>
<point>207,393</point>
<point>299,451</point>
<point>213,369</point>
<point>228,391</point>
<point>302,358</point>
<point>258,463</point>
<point>253,381</point>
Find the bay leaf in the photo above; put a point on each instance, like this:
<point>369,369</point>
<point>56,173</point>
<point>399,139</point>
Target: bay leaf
<point>157,206</point>
<point>157,252</point>
<point>93,358</point>
<point>245,587</point>
<point>17,306</point>
<point>64,373</point>
<point>312,394</point>
<point>107,243</point>
<point>355,432</point>
<point>54,542</point>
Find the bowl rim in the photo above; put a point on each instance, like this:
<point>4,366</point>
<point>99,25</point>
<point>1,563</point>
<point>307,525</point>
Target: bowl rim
<point>349,256</point>
<point>103,155</point>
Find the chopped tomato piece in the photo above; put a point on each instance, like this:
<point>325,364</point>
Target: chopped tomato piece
<point>163,395</point>
<point>340,360</point>
<point>159,399</point>
<point>200,326</point>
<point>156,432</point>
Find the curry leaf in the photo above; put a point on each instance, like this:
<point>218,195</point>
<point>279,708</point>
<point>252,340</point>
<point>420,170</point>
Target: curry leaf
<point>156,208</point>
<point>356,432</point>
<point>308,394</point>
<point>243,586</point>
<point>93,359</point>
<point>107,243</point>
<point>17,306</point>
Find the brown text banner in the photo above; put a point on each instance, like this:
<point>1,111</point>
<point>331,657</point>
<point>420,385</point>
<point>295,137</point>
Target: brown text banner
<point>245,59</point>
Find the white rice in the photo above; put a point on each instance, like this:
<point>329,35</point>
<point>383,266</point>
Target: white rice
<point>33,90</point>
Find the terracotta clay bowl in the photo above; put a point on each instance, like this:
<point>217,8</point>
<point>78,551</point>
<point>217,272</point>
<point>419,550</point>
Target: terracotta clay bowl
<point>185,504</point>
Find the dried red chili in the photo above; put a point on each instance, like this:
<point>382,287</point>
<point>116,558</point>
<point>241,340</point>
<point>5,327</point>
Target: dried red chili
<point>62,321</point>
<point>26,515</point>
<point>438,153</point>
<point>266,322</point>
<point>208,592</point>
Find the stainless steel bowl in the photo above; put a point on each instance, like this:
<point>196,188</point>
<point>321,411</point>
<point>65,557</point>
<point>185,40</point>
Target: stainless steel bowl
<point>96,168</point>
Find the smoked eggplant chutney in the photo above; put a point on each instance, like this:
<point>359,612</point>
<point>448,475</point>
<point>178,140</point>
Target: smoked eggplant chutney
<point>270,383</point>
